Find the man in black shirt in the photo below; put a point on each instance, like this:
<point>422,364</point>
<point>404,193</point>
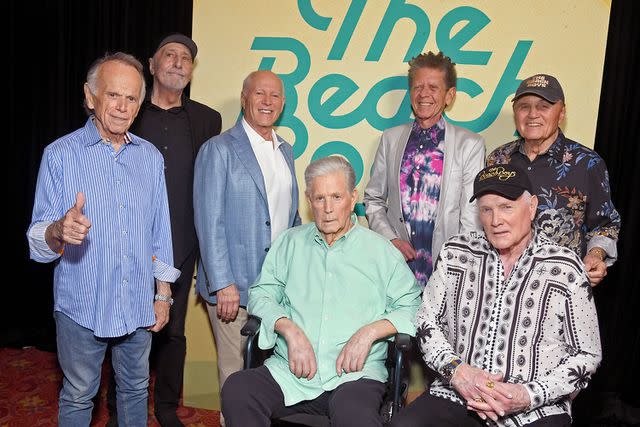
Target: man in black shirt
<point>177,126</point>
<point>570,180</point>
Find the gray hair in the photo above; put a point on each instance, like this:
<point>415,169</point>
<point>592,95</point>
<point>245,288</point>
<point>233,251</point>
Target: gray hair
<point>94,70</point>
<point>327,166</point>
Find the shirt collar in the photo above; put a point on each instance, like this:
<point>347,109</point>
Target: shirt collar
<point>555,151</point>
<point>175,110</point>
<point>95,137</point>
<point>436,126</point>
<point>429,134</point>
<point>317,236</point>
<point>255,138</point>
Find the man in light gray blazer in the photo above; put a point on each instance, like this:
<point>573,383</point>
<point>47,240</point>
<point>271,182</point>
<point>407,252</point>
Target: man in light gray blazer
<point>245,195</point>
<point>423,172</point>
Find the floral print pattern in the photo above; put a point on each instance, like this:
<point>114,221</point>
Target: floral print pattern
<point>572,185</point>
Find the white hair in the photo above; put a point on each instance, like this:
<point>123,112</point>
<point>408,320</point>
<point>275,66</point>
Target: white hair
<point>327,166</point>
<point>125,58</point>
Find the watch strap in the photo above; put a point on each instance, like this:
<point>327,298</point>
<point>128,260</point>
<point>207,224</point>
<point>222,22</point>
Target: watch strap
<point>449,369</point>
<point>164,298</point>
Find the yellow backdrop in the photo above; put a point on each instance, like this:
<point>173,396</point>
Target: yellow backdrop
<point>344,65</point>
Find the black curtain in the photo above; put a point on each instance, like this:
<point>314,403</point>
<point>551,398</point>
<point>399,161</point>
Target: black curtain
<point>613,398</point>
<point>51,45</point>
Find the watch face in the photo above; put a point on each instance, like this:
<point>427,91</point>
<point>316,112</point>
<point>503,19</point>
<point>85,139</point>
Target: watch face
<point>446,371</point>
<point>449,369</point>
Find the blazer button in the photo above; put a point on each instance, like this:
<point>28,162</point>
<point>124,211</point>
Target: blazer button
<point>266,249</point>
<point>268,223</point>
<point>401,219</point>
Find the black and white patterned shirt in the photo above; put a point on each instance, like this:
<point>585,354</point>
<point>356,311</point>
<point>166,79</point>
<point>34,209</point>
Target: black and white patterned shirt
<point>538,326</point>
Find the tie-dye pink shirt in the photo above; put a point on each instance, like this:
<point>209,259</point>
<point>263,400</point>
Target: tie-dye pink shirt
<point>420,179</point>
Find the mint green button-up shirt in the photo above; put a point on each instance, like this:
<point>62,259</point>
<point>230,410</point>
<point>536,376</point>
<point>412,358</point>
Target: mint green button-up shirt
<point>330,292</point>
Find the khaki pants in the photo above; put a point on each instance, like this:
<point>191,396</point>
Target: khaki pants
<point>229,344</point>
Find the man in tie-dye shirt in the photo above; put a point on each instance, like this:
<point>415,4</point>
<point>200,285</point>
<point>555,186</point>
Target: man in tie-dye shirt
<point>422,175</point>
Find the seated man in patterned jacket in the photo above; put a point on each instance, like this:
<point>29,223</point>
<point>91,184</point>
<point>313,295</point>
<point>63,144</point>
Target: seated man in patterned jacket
<point>507,319</point>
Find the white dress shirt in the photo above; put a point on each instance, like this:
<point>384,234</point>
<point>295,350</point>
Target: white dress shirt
<point>277,177</point>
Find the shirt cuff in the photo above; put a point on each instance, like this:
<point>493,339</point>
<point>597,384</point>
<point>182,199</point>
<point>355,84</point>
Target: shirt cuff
<point>401,322</point>
<point>535,395</point>
<point>38,247</point>
<point>606,243</point>
<point>268,334</point>
<point>165,272</point>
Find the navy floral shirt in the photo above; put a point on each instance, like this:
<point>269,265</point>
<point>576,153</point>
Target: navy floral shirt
<point>574,199</point>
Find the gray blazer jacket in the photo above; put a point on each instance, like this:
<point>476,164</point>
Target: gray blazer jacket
<point>464,157</point>
<point>232,214</point>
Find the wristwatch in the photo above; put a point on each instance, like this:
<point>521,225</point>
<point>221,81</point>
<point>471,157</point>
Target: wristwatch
<point>449,369</point>
<point>164,298</point>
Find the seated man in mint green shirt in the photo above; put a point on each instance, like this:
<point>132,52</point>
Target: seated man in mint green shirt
<point>329,294</point>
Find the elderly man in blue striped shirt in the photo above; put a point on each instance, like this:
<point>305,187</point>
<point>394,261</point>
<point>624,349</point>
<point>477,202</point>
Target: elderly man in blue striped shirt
<point>101,214</point>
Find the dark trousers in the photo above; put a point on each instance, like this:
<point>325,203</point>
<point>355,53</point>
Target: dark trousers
<point>169,348</point>
<point>428,410</point>
<point>251,398</point>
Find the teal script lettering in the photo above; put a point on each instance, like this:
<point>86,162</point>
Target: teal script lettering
<point>331,91</point>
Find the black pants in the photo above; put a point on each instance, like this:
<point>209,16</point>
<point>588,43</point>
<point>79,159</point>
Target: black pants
<point>251,398</point>
<point>169,348</point>
<point>428,410</point>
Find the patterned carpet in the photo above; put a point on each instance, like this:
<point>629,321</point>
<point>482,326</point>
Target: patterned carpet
<point>30,380</point>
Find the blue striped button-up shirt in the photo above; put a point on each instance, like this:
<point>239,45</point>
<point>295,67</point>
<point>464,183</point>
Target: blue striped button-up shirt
<point>105,284</point>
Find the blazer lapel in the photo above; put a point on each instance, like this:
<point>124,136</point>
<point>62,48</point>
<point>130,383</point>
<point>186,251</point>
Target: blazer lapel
<point>242,147</point>
<point>399,154</point>
<point>449,150</point>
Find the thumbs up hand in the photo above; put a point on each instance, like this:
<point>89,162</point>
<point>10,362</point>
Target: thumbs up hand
<point>75,225</point>
<point>79,206</point>
<point>72,228</point>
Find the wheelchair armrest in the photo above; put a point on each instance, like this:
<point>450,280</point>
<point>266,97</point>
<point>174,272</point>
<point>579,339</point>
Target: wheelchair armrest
<point>252,326</point>
<point>398,381</point>
<point>250,330</point>
<point>402,342</point>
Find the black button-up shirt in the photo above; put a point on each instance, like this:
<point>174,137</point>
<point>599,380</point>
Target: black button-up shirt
<point>170,131</point>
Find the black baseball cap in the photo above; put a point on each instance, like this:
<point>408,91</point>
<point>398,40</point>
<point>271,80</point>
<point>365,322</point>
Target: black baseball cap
<point>182,39</point>
<point>542,85</point>
<point>505,180</point>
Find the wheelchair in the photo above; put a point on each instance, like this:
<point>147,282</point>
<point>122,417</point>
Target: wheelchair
<point>396,363</point>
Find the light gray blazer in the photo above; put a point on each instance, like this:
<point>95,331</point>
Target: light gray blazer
<point>231,212</point>
<point>464,157</point>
